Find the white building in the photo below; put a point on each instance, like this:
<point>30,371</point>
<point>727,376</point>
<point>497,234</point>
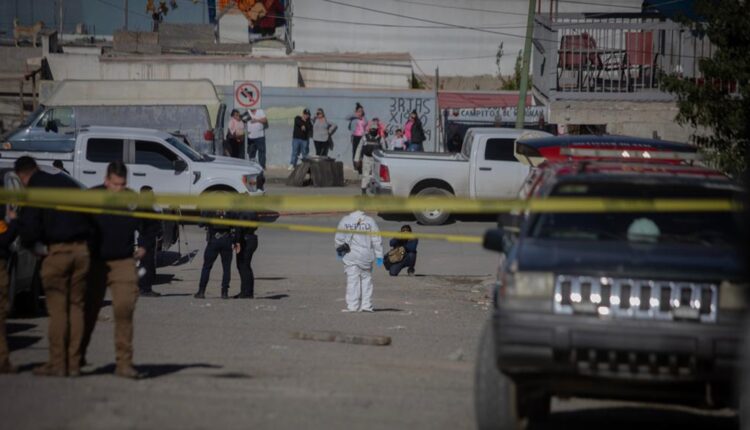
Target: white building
<point>459,37</point>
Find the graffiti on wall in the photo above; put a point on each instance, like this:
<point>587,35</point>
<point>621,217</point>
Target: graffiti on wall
<point>399,110</point>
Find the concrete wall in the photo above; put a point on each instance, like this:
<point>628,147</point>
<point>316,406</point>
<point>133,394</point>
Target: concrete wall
<point>387,27</point>
<point>369,75</point>
<point>283,104</point>
<point>640,119</point>
<point>220,70</point>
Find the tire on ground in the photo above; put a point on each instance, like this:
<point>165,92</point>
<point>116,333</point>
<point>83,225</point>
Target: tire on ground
<point>435,216</point>
<point>495,402</point>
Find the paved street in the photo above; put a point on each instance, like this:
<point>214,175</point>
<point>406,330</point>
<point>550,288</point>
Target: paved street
<point>233,363</point>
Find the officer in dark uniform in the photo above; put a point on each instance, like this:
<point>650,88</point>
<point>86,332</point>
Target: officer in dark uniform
<point>8,231</point>
<point>113,265</point>
<point>147,271</point>
<point>64,269</point>
<point>247,244</point>
<point>220,241</point>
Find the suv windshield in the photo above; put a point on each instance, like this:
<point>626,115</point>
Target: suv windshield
<point>185,149</point>
<point>706,228</point>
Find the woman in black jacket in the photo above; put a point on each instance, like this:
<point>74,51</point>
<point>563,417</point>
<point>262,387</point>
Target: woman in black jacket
<point>415,135</point>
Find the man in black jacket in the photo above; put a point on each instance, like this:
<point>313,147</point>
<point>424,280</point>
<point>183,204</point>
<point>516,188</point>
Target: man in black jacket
<point>64,269</point>
<point>8,231</point>
<point>113,265</point>
<point>301,137</point>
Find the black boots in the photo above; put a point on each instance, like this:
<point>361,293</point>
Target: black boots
<point>224,294</point>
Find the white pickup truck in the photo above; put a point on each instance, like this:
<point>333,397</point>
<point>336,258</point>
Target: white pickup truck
<point>154,158</point>
<point>486,167</point>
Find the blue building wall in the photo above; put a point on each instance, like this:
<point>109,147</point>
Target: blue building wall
<point>100,16</point>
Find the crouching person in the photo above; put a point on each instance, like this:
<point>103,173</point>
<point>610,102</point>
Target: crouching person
<point>113,265</point>
<point>403,253</point>
<point>358,252</point>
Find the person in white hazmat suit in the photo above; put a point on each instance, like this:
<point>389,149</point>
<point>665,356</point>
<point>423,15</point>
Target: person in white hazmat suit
<point>364,249</point>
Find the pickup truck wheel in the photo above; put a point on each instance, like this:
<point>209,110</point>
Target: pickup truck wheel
<point>433,216</point>
<point>495,402</point>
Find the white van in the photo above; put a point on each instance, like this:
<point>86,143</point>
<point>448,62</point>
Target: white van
<point>191,108</point>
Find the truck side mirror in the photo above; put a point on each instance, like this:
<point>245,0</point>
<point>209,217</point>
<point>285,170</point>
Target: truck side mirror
<point>179,165</point>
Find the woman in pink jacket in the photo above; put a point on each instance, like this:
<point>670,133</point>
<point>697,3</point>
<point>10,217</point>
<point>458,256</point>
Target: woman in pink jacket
<point>358,126</point>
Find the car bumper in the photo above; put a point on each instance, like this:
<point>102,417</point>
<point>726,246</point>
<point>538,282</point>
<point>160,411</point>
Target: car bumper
<point>380,190</point>
<point>544,343</point>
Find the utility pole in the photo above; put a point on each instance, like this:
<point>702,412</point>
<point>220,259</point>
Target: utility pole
<point>61,19</point>
<point>126,14</point>
<point>521,115</point>
<point>437,109</point>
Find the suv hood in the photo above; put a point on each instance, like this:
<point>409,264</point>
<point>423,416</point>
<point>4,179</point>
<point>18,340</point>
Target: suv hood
<point>685,262</point>
<point>231,164</point>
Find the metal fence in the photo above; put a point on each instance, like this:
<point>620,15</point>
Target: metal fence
<point>614,56</point>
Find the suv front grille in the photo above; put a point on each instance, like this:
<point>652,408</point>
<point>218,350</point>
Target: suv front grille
<point>635,298</point>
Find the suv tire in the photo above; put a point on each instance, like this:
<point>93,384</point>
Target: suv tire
<point>434,216</point>
<point>495,402</point>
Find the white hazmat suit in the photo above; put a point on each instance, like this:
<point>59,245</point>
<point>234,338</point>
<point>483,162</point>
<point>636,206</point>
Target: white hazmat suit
<point>364,250</point>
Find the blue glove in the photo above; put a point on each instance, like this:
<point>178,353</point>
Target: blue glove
<point>379,261</point>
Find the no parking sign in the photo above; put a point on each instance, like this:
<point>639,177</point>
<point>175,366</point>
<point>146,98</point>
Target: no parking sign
<point>247,94</point>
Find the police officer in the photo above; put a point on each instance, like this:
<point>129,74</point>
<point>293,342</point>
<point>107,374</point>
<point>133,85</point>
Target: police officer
<point>371,142</point>
<point>113,265</point>
<point>8,231</point>
<point>64,269</point>
<point>147,271</point>
<point>247,244</point>
<point>220,241</point>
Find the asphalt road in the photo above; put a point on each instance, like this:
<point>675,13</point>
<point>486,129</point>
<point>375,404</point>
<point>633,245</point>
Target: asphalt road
<point>234,363</point>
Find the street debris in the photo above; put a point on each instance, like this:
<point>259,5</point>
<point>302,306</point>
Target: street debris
<point>336,336</point>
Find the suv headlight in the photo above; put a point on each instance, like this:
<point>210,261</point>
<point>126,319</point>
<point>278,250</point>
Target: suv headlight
<point>733,295</point>
<point>530,284</point>
<point>251,182</point>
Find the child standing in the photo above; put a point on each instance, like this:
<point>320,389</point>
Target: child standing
<point>398,143</point>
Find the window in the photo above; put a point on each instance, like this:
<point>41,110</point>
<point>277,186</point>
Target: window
<point>57,118</point>
<point>499,150</point>
<point>101,150</point>
<point>154,154</point>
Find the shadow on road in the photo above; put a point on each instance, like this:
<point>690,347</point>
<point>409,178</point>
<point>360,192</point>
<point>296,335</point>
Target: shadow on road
<point>149,371</point>
<point>161,279</point>
<point>173,258</point>
<point>388,310</point>
<point>20,342</point>
<point>274,297</point>
<point>630,418</point>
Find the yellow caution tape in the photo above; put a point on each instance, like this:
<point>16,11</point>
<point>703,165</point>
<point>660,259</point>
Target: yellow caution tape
<point>455,238</point>
<point>311,203</point>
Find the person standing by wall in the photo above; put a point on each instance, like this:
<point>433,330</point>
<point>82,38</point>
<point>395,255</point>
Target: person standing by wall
<point>358,127</point>
<point>406,257</point>
<point>372,142</point>
<point>220,241</point>
<point>301,137</point>
<point>358,252</point>
<point>64,269</point>
<point>323,133</point>
<point>113,267</point>
<point>235,141</point>
<point>414,132</point>
<point>256,135</point>
<point>8,232</point>
<point>245,247</point>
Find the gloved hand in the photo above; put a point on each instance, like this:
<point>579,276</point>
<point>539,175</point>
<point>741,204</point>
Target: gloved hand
<point>379,261</point>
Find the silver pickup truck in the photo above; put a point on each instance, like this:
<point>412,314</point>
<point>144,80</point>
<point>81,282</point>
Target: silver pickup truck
<point>486,167</point>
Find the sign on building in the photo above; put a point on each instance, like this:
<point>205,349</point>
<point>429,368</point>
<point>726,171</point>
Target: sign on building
<point>247,94</point>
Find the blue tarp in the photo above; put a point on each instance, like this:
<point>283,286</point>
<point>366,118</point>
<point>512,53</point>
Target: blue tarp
<point>672,9</point>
